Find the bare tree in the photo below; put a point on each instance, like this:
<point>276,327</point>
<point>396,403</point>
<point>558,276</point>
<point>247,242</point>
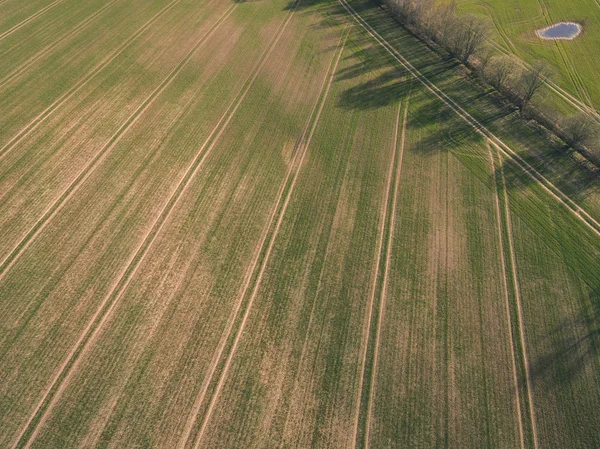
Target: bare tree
<point>394,7</point>
<point>465,38</point>
<point>468,36</point>
<point>415,13</point>
<point>500,69</point>
<point>446,17</point>
<point>401,10</point>
<point>483,58</point>
<point>579,130</point>
<point>531,81</point>
<point>427,18</point>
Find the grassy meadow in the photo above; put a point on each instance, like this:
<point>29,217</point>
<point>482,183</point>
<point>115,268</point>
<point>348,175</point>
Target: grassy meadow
<point>574,62</point>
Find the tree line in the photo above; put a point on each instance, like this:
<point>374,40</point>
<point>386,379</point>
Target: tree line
<point>466,37</point>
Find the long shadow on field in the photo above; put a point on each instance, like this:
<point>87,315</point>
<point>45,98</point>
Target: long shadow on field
<point>380,91</point>
<point>575,347</point>
<point>574,180</point>
<point>444,130</point>
<point>385,82</point>
<point>384,86</point>
<point>332,7</point>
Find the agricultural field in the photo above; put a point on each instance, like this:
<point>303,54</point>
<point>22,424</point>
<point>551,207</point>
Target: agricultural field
<point>576,81</point>
<point>233,224</point>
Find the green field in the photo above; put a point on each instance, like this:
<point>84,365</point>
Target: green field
<point>282,224</point>
<point>574,62</point>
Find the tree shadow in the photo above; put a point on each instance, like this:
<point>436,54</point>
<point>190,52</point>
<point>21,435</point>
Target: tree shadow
<point>333,8</point>
<point>377,92</point>
<point>300,5</point>
<point>574,180</point>
<point>516,177</point>
<point>386,86</point>
<point>446,131</point>
<point>595,300</point>
<point>575,345</point>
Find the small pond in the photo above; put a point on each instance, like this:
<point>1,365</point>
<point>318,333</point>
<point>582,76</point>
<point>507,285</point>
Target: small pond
<point>562,30</point>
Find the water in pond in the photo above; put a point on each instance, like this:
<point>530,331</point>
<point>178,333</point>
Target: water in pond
<point>563,30</point>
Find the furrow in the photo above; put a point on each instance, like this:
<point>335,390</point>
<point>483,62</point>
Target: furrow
<point>57,385</point>
<point>520,320</point>
<point>223,342</point>
<point>530,171</point>
<point>29,19</point>
<point>264,248</point>
<point>37,56</point>
<point>38,120</point>
<point>362,417</point>
<point>386,267</point>
<point>107,307</point>
<point>507,299</point>
<point>86,172</point>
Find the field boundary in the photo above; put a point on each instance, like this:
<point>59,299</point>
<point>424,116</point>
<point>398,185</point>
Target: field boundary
<point>530,171</point>
<point>95,162</point>
<point>40,118</point>
<point>29,19</point>
<point>37,56</point>
<point>276,219</point>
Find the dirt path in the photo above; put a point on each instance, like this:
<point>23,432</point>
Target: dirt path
<point>399,151</point>
<point>520,319</point>
<point>87,171</point>
<point>103,312</point>
<point>37,56</point>
<point>39,119</point>
<point>501,31</point>
<point>294,174</point>
<point>29,19</point>
<point>507,299</point>
<point>362,391</point>
<point>550,188</point>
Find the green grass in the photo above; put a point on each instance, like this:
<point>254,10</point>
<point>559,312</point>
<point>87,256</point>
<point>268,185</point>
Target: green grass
<point>574,61</point>
<point>445,375</point>
<point>575,250</point>
<point>267,312</point>
<point>114,207</point>
<point>307,326</point>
